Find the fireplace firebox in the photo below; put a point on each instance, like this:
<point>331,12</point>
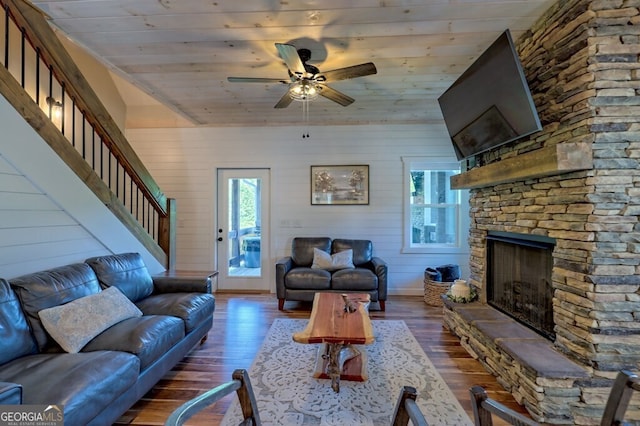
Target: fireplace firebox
<point>519,279</point>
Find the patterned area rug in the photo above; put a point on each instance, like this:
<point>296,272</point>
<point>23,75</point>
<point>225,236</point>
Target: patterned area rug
<point>287,393</point>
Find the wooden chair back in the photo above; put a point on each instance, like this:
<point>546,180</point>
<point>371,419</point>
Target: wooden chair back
<point>407,409</point>
<point>240,383</point>
<point>624,385</point>
<point>484,408</point>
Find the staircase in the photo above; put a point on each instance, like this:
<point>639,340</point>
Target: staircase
<point>39,79</point>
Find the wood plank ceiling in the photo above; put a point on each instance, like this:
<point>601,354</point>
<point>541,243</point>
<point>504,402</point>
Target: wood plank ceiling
<point>182,51</point>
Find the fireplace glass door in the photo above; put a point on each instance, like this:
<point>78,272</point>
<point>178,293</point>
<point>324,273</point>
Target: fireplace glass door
<point>519,281</point>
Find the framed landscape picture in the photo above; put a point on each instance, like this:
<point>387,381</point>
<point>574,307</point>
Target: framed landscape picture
<point>332,185</point>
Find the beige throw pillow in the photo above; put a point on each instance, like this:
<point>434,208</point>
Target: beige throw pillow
<point>76,323</point>
<point>341,260</point>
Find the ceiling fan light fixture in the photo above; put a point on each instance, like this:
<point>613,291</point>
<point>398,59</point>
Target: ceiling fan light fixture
<point>304,90</point>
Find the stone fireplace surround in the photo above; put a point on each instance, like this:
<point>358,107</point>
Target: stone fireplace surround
<point>582,63</point>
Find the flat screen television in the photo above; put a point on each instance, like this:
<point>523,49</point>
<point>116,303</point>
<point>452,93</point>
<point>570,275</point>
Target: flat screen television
<point>490,103</point>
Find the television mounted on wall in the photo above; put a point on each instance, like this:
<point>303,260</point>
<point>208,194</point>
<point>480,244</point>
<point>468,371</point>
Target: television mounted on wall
<point>490,104</point>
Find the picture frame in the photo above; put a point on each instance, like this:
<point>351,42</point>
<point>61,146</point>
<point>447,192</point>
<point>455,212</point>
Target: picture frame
<point>340,185</point>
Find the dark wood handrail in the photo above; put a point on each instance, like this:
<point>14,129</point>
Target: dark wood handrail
<point>40,122</point>
<point>33,22</point>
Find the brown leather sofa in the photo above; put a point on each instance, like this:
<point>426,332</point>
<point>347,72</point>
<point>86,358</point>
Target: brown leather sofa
<point>297,280</point>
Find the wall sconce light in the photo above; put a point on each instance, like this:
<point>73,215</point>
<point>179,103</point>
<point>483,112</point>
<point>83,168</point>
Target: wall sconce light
<point>55,109</point>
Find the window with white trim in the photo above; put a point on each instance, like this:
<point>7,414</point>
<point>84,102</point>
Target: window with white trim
<point>436,216</point>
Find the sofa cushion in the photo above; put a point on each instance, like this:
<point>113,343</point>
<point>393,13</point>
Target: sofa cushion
<point>126,271</point>
<point>362,249</point>
<point>308,279</point>
<point>74,324</point>
<point>332,262</point>
<point>10,393</point>
<point>302,249</point>
<point>192,308</point>
<point>354,280</point>
<point>85,383</point>
<point>15,338</point>
<point>148,337</point>
<point>53,287</point>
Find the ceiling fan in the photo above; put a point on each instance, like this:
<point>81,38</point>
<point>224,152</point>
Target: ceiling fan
<point>306,82</point>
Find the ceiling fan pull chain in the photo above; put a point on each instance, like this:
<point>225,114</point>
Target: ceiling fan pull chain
<point>308,106</point>
<point>305,118</point>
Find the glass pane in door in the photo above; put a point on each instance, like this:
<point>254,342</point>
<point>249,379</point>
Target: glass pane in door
<point>244,218</point>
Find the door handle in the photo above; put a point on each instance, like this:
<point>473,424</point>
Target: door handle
<point>219,238</point>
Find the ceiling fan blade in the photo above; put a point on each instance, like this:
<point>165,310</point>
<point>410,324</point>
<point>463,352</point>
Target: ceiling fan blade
<point>290,55</point>
<point>284,101</point>
<point>348,72</point>
<point>335,96</point>
<point>255,80</point>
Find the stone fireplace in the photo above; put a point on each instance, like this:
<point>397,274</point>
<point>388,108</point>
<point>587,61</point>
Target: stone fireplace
<point>575,184</point>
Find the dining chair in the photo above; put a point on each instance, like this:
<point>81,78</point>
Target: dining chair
<point>484,408</point>
<point>624,385</point>
<point>240,383</point>
<point>407,409</point>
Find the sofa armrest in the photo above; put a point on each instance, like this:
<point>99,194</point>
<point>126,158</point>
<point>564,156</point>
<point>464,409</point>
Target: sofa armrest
<point>380,269</point>
<point>183,284</point>
<point>283,266</point>
<point>10,393</point>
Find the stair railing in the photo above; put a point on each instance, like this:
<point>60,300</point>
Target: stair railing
<point>33,58</point>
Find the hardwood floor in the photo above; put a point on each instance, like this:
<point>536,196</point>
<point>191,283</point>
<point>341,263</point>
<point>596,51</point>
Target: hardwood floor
<point>242,320</point>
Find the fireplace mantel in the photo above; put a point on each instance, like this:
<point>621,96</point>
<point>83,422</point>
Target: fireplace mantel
<point>547,161</point>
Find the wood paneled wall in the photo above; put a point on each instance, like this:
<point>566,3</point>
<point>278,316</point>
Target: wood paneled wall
<point>48,217</point>
<point>31,222</point>
<point>184,163</point>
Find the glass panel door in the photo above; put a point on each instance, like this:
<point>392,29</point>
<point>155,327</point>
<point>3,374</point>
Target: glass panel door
<point>242,235</point>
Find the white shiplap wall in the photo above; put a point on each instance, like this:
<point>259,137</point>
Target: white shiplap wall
<point>184,162</point>
<point>48,217</point>
<point>32,223</point>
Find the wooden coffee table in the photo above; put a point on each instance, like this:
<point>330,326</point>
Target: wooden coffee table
<point>339,321</point>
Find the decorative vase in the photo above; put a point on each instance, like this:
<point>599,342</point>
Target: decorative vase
<point>461,289</point>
